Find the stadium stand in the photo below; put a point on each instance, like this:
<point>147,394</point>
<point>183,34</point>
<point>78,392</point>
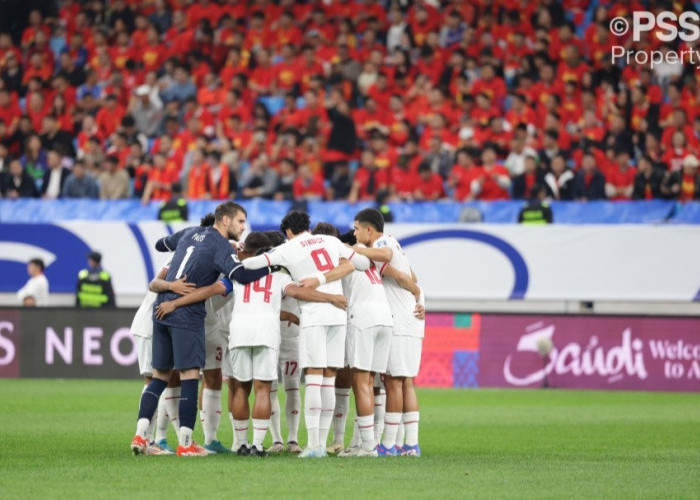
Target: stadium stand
<point>348,101</point>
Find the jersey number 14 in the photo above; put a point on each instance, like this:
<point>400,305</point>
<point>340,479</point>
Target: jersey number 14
<point>265,288</point>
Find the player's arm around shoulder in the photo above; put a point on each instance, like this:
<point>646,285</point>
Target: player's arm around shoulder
<point>380,252</point>
<point>221,287</point>
<point>310,294</point>
<point>339,272</point>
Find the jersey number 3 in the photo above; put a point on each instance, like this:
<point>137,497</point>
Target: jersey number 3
<point>265,288</point>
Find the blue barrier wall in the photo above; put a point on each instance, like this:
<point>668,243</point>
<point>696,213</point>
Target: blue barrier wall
<point>269,213</point>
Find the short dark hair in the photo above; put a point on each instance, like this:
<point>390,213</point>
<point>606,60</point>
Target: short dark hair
<point>228,208</point>
<point>348,238</point>
<point>326,228</point>
<point>38,263</point>
<point>256,241</point>
<point>276,238</point>
<point>208,220</point>
<point>372,217</point>
<point>296,221</point>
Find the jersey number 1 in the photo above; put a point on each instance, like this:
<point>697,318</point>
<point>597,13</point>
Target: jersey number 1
<point>181,269</point>
<point>322,259</point>
<point>266,289</point>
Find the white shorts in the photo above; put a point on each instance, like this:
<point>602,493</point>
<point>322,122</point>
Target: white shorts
<point>368,349</point>
<point>404,356</point>
<point>256,362</point>
<point>145,355</point>
<point>226,366</point>
<point>215,343</point>
<point>322,346</point>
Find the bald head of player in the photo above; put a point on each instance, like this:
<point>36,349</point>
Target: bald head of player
<point>295,223</point>
<point>229,220</point>
<point>369,226</point>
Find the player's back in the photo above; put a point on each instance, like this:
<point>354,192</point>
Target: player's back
<point>255,319</point>
<point>305,256</point>
<point>401,301</point>
<point>367,301</point>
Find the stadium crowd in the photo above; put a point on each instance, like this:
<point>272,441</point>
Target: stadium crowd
<point>342,100</point>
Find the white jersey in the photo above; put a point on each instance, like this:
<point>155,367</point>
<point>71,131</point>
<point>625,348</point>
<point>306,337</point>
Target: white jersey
<point>37,287</point>
<point>291,305</point>
<point>367,302</point>
<point>142,324</point>
<point>305,256</point>
<point>214,306</point>
<point>256,312</point>
<point>401,301</point>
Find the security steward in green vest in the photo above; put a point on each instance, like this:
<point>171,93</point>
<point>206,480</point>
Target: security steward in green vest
<point>175,209</point>
<point>537,210</point>
<point>94,287</point>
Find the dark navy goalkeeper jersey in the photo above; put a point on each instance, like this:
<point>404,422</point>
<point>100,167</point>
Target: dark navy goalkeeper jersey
<point>201,254</point>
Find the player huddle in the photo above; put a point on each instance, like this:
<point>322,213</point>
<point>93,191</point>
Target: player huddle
<point>251,310</point>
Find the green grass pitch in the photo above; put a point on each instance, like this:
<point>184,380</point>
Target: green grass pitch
<point>70,439</point>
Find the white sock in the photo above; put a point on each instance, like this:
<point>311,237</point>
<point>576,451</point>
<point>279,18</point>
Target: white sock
<point>234,445</point>
<point>162,420</point>
<point>259,432</point>
<point>185,436</point>
<point>340,415</point>
<point>379,407</point>
<point>292,408</point>
<point>410,422</point>
<point>399,435</point>
<point>171,396</point>
<point>275,425</point>
<point>327,408</point>
<point>240,429</point>
<point>142,427</point>
<point>356,439</point>
<point>312,408</point>
<point>210,413</point>
<point>366,427</point>
<point>151,427</point>
<point>391,427</point>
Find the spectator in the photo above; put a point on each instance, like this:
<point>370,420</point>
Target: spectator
<point>80,184</point>
<point>222,176</point>
<point>34,160</point>
<point>340,183</point>
<point>537,210</point>
<point>589,183</point>
<point>308,186</point>
<point>559,182</point>
<point>684,184</point>
<point>145,112</point>
<point>175,209</point>
<point>199,181</point>
<point>55,177</point>
<point>462,176</point>
<point>17,183</point>
<point>368,180</point>
<point>94,287</point>
<point>532,175</point>
<point>519,153</point>
<point>439,157</point>
<point>35,293</point>
<point>492,181</point>
<point>53,137</point>
<point>181,89</point>
<point>287,176</point>
<point>260,180</point>
<point>114,181</point>
<point>620,178</point>
<point>430,186</point>
<point>648,181</point>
